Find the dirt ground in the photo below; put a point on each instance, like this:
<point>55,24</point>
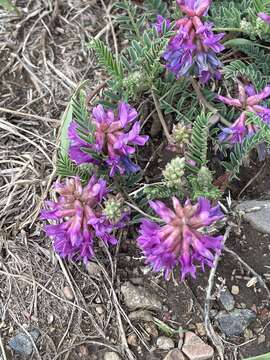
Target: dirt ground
<point>43,57</point>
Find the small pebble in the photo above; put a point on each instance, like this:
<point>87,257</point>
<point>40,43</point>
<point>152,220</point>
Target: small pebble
<point>99,310</point>
<point>226,299</point>
<point>195,349</point>
<point>109,355</point>
<point>261,339</point>
<point>248,334</point>
<point>235,290</point>
<point>83,351</point>
<point>144,315</point>
<point>151,329</point>
<point>165,343</point>
<point>175,354</point>
<point>50,319</point>
<point>68,293</point>
<point>137,280</point>
<point>93,269</point>
<point>132,340</point>
<point>200,329</point>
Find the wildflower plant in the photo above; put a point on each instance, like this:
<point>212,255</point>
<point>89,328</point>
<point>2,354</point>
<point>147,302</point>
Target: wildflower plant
<point>116,173</point>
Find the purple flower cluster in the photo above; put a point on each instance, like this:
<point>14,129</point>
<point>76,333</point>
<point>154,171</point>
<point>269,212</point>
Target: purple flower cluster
<point>265,17</point>
<point>249,101</point>
<point>114,138</point>
<point>180,241</point>
<point>79,217</point>
<point>195,45</point>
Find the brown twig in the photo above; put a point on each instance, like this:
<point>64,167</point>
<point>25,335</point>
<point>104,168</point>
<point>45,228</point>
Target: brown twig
<point>207,306</point>
<point>251,181</point>
<point>26,115</point>
<point>93,93</point>
<point>161,118</point>
<point>249,269</point>
<point>205,103</point>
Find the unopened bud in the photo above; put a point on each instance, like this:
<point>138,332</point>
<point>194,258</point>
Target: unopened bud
<point>113,208</point>
<point>174,172</point>
<point>181,134</point>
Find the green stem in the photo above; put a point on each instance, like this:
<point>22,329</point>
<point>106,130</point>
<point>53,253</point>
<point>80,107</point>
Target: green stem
<point>135,192</point>
<point>228,29</point>
<point>134,207</point>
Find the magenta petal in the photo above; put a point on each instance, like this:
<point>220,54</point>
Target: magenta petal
<point>255,99</point>
<point>229,101</point>
<point>162,210</point>
<point>99,113</point>
<point>265,17</point>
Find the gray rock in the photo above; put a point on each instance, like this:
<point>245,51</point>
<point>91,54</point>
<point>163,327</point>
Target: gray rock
<point>93,269</point>
<point>165,343</point>
<point>138,297</point>
<point>226,299</point>
<point>257,213</point>
<point>21,343</point>
<point>109,355</point>
<point>235,322</point>
<point>175,354</point>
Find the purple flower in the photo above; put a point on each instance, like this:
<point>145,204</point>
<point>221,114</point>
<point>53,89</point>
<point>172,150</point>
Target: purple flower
<point>79,218</point>
<point>194,7</point>
<point>180,241</point>
<point>160,20</point>
<point>248,101</point>
<point>114,138</point>
<point>194,47</point>
<point>265,17</point>
<point>236,132</point>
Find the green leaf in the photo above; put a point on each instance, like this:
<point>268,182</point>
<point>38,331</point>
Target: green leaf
<point>242,42</point>
<point>8,6</point>
<point>68,115</point>
<point>66,120</point>
<point>106,59</point>
<point>260,357</point>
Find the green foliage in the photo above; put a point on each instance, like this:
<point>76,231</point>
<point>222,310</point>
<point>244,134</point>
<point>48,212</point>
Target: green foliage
<point>132,20</point>
<point>238,69</point>
<point>8,6</point>
<point>76,109</point>
<point>241,151</point>
<point>107,60</point>
<point>66,168</point>
<point>162,191</point>
<point>260,357</point>
<point>227,13</point>
<point>260,58</point>
<point>154,8</point>
<point>137,68</point>
<point>197,149</point>
<point>241,15</point>
<point>202,185</point>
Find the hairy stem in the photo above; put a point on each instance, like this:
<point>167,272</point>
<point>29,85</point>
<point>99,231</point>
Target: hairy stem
<point>161,119</point>
<point>205,103</point>
<point>228,29</point>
